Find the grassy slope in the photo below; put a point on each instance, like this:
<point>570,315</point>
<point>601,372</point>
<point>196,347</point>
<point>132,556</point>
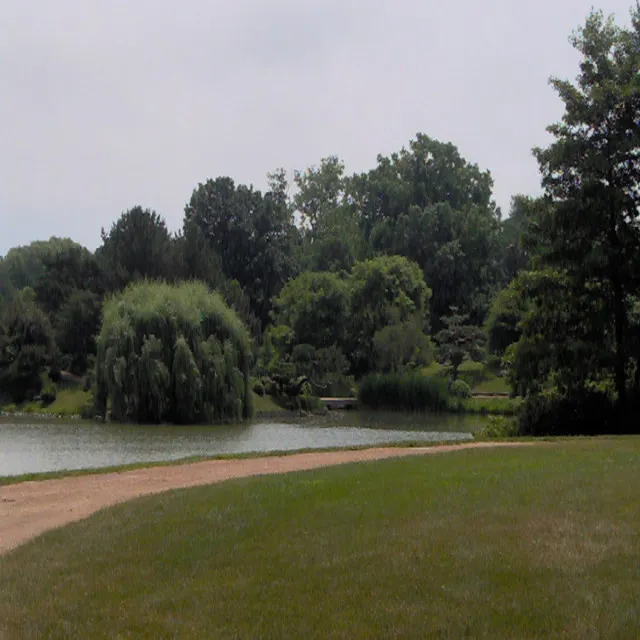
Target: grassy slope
<point>534,542</point>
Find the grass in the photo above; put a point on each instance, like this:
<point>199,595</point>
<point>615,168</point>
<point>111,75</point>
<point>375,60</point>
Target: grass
<point>534,542</point>
<point>265,405</point>
<point>492,406</point>
<point>493,385</point>
<point>70,400</point>
<point>477,375</point>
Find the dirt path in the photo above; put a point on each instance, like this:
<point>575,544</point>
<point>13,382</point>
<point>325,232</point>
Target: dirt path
<point>30,508</point>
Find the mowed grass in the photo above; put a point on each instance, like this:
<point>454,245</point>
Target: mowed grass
<point>540,541</point>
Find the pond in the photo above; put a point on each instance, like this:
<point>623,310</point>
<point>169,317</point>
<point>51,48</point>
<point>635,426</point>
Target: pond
<point>34,447</point>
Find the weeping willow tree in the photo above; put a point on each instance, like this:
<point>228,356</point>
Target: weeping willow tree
<point>172,353</point>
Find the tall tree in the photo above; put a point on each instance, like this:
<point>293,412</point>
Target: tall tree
<point>137,246</point>
<point>387,290</point>
<point>26,346</point>
<point>430,205</point>
<point>591,174</point>
<point>332,238</point>
<point>254,236</point>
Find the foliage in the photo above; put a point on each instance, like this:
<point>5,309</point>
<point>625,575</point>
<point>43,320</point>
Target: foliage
<point>430,205</point>
<point>405,392</point>
<point>458,342</point>
<point>174,353</point>
<point>314,306</point>
<point>580,412</point>
<point>332,238</point>
<point>402,345</point>
<point>23,266</point>
<point>499,427</point>
<point>507,311</point>
<point>26,347</point>
<point>384,291</point>
<point>590,172</point>
<point>78,323</point>
<point>137,246</point>
<point>460,389</point>
<point>48,394</point>
<point>253,235</point>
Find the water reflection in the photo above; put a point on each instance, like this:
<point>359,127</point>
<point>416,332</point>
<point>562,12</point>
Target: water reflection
<point>37,447</point>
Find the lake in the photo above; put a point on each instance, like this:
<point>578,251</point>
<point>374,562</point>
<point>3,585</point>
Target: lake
<point>38,446</point>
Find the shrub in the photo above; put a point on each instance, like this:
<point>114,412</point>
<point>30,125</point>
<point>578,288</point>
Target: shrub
<point>499,427</point>
<point>48,394</point>
<point>581,412</point>
<point>54,373</point>
<point>406,392</point>
<point>258,389</point>
<point>460,389</point>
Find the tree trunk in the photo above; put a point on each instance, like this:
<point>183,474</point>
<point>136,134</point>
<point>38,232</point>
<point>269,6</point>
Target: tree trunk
<point>620,318</point>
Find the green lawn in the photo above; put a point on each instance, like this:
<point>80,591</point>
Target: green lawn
<point>533,542</point>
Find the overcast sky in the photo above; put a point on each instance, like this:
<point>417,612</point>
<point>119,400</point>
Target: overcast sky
<point>106,104</point>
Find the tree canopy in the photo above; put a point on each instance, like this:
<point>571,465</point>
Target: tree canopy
<point>172,353</point>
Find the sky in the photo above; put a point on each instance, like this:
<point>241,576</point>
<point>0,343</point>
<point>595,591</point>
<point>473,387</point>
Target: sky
<point>109,104</point>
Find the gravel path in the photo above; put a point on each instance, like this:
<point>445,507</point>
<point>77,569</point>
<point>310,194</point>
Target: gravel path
<point>28,509</point>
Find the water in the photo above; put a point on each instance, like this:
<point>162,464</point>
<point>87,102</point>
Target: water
<point>33,447</point>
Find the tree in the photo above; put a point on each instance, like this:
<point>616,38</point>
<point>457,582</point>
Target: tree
<point>507,311</point>
<point>77,325</point>
<point>24,266</point>
<point>384,291</point>
<point>315,309</point>
<point>402,345</point>
<point>172,353</point>
<point>513,234</point>
<point>429,204</point>
<point>64,270</point>
<point>26,347</point>
<point>254,236</point>
<point>590,173</point>
<point>137,246</point>
<point>459,341</point>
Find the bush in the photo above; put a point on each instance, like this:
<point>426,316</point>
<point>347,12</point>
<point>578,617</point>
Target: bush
<point>499,427</point>
<point>460,389</point>
<point>258,389</point>
<point>406,392</point>
<point>48,394</point>
<point>582,412</point>
<point>54,373</point>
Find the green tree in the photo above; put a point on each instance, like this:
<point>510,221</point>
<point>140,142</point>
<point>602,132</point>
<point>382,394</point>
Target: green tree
<point>172,353</point>
<point>64,270</point>
<point>590,174</point>
<point>315,307</point>
<point>23,266</point>
<point>403,345</point>
<point>429,204</point>
<point>458,341</point>
<point>26,347</point>
<point>507,311</point>
<point>332,238</point>
<point>254,236</point>
<point>513,233</point>
<point>77,324</point>
<point>384,291</point>
<point>137,246</point>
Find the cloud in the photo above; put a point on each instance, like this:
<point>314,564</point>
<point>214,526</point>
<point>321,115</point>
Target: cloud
<point>106,105</point>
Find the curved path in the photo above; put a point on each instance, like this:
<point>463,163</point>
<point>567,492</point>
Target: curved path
<point>30,508</point>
